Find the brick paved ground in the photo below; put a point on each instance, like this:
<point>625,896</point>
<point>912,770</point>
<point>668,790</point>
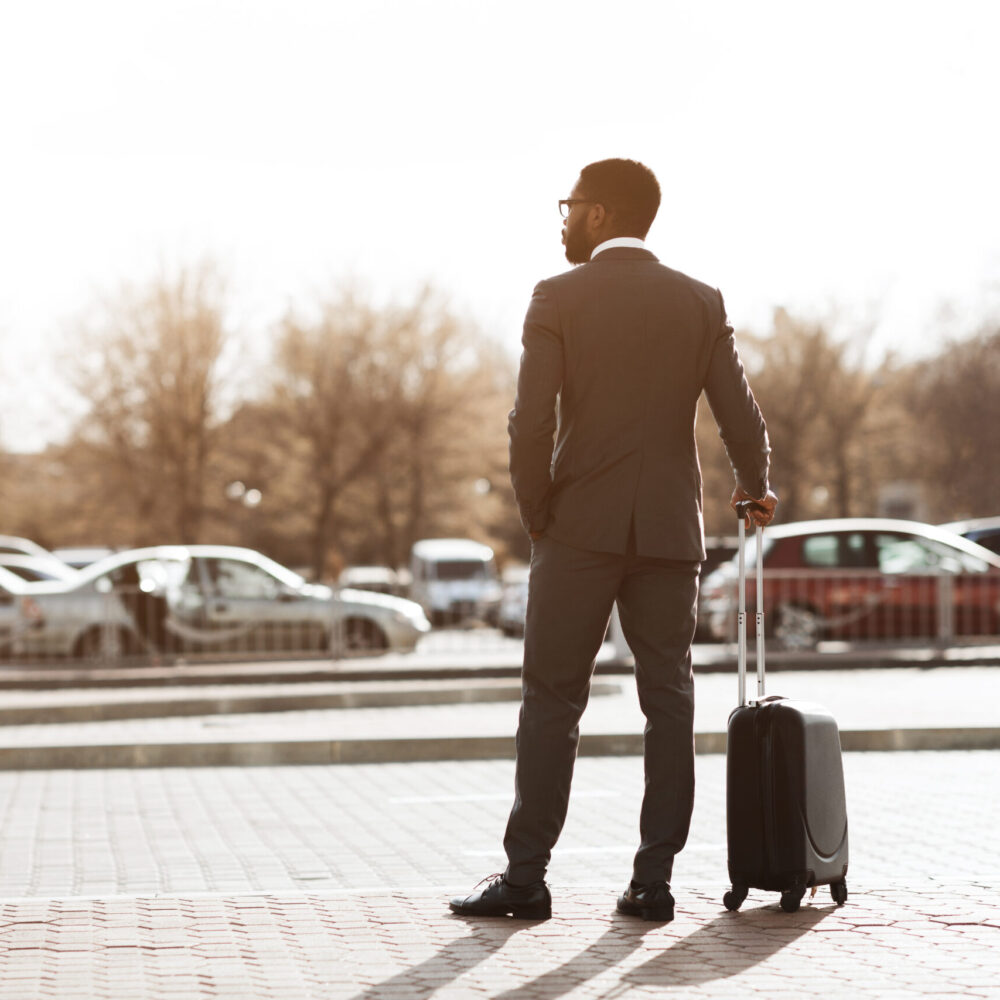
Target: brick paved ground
<point>331,882</point>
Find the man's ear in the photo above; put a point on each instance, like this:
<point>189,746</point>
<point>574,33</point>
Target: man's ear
<point>598,214</point>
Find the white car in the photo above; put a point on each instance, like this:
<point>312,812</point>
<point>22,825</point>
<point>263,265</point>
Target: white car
<point>11,617</point>
<point>33,569</point>
<point>514,603</point>
<point>454,579</point>
<point>207,599</point>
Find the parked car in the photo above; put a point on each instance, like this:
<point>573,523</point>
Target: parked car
<point>454,579</point>
<point>983,531</point>
<point>83,555</point>
<point>35,568</point>
<point>378,579</point>
<point>208,598</point>
<point>514,602</point>
<point>718,549</point>
<point>13,549</point>
<point>861,578</point>
<point>21,546</point>
<point>11,618</point>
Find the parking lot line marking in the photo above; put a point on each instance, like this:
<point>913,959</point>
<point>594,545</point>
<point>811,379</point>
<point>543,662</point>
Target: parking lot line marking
<point>595,793</point>
<point>603,849</point>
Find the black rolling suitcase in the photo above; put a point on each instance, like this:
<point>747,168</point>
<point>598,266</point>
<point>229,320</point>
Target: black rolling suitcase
<point>785,804</point>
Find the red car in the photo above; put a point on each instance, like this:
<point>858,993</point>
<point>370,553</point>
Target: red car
<point>861,578</point>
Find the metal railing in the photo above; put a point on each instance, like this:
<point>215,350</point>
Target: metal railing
<point>129,626</point>
<point>806,607</point>
<point>803,609</point>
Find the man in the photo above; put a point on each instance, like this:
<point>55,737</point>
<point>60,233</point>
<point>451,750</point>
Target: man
<point>616,355</point>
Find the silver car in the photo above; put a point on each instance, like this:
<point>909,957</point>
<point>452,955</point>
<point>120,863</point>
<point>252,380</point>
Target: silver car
<point>12,619</point>
<point>35,568</point>
<point>206,599</point>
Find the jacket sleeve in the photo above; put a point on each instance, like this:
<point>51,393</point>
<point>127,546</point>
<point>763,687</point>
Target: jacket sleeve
<point>741,425</point>
<point>532,423</point>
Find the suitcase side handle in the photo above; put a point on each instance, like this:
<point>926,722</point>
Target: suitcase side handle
<point>741,651</point>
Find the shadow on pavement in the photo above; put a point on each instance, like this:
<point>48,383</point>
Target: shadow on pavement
<point>729,945</point>
<point>419,982</point>
<point>622,938</point>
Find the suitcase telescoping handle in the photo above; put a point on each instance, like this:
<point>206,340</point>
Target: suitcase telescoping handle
<point>742,509</point>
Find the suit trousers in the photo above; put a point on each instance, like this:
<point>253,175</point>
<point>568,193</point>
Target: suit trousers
<point>571,593</point>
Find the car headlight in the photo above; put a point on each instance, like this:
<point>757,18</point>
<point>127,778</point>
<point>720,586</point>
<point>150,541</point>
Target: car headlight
<point>414,618</point>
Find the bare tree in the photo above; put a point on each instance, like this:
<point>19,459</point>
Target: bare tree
<point>953,410</point>
<point>826,417</point>
<point>333,384</point>
<point>442,471</point>
<point>396,418</point>
<point>149,370</point>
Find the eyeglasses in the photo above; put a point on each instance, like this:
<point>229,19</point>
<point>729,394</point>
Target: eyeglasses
<point>566,204</point>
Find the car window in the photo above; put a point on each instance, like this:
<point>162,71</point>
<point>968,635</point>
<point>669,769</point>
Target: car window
<point>988,539</point>
<point>846,550</point>
<point>820,550</point>
<point>460,569</point>
<point>235,580</point>
<point>902,554</point>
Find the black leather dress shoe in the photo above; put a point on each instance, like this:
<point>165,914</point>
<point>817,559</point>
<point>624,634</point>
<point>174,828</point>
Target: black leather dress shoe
<point>651,902</point>
<point>523,902</point>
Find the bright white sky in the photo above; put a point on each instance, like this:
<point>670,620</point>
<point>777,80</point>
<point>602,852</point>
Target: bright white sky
<point>816,156</point>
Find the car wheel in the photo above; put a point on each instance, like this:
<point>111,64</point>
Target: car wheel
<point>362,635</point>
<point>100,645</point>
<point>797,626</point>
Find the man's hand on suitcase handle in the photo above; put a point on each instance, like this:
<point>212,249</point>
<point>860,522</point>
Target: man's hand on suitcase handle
<point>755,511</point>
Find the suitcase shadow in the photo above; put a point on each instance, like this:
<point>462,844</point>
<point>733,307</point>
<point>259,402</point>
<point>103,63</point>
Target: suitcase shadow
<point>729,945</point>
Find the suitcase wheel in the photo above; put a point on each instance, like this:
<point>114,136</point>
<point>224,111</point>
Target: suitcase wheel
<point>790,900</point>
<point>733,899</point>
<point>839,892</point>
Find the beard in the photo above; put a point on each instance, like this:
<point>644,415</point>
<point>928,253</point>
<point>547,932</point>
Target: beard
<point>578,247</point>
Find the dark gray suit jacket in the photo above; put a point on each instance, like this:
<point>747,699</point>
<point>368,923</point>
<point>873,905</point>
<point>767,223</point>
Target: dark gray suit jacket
<point>616,354</point>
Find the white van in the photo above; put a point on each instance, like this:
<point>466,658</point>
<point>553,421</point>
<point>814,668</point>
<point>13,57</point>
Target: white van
<point>455,579</point>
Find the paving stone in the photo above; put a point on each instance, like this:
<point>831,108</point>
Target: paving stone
<point>332,882</point>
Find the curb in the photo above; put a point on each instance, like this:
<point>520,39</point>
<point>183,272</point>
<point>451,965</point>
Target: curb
<point>470,691</point>
<point>313,671</point>
<point>381,751</point>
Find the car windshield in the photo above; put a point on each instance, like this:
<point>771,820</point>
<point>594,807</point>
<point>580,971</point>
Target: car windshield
<point>460,569</point>
<point>283,573</point>
<point>910,555</point>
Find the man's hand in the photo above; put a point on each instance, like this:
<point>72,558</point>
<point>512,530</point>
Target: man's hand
<point>755,516</point>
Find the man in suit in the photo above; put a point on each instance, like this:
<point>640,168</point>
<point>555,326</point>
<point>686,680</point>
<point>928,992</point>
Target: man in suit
<point>605,470</point>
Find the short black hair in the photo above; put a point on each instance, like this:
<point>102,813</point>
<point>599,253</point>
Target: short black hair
<point>627,189</point>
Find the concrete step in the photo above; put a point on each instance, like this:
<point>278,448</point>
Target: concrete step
<point>945,708</point>
<point>468,661</point>
<point>223,752</point>
<point>42,707</point>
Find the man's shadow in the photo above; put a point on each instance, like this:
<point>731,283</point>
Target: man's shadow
<point>420,981</point>
<point>729,945</point>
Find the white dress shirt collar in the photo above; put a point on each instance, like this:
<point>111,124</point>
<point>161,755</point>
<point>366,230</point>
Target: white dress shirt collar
<point>619,241</point>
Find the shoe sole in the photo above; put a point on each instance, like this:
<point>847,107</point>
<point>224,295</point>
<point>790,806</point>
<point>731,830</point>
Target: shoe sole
<point>531,913</point>
<point>662,915</point>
